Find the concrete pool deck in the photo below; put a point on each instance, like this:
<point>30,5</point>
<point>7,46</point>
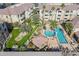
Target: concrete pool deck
<point>53,43</point>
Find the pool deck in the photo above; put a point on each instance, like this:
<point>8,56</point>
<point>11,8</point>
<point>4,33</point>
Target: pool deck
<point>53,43</point>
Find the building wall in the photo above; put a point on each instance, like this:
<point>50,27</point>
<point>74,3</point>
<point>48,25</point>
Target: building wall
<point>58,15</point>
<point>5,18</point>
<point>14,18</point>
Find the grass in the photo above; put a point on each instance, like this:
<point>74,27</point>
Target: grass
<point>15,33</point>
<point>27,37</point>
<point>11,41</point>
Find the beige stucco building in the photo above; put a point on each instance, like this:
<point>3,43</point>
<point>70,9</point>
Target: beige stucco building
<point>20,12</point>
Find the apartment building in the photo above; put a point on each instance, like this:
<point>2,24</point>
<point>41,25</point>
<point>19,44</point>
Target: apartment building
<point>20,12</point>
<point>56,12</point>
<point>15,13</point>
<point>46,12</point>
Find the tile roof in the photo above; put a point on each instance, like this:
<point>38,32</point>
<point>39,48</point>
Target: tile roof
<point>15,10</point>
<point>75,22</point>
<point>67,6</point>
<point>48,6</point>
<point>39,41</point>
<point>23,7</point>
<point>71,7</point>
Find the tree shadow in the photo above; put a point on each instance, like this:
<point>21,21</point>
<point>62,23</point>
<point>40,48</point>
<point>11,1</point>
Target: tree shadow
<point>9,27</point>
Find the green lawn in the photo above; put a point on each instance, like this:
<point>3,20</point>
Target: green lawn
<point>11,41</point>
<point>27,37</point>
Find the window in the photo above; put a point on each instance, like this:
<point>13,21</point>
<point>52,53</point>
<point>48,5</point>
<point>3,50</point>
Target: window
<point>50,11</point>
<point>50,14</point>
<point>46,18</point>
<point>46,10</point>
<point>65,18</point>
<point>71,11</point>
<point>22,14</point>
<point>77,15</point>
<point>67,11</point>
<point>38,11</point>
<point>58,18</point>
<point>58,8</point>
<point>23,18</point>
<point>18,15</point>
<point>59,15</point>
<point>6,16</point>
<point>59,11</point>
<point>46,15</point>
<point>66,15</point>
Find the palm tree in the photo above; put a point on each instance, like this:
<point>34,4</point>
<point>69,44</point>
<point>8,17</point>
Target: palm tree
<point>53,24</point>
<point>43,14</point>
<point>68,27</point>
<point>44,8</point>
<point>62,5</point>
<point>52,8</point>
<point>28,26</point>
<point>35,11</point>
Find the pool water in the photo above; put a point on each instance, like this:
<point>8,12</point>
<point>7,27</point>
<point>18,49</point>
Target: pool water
<point>49,33</point>
<point>60,35</point>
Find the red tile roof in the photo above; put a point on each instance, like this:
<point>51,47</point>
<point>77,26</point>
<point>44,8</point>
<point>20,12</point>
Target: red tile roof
<point>39,41</point>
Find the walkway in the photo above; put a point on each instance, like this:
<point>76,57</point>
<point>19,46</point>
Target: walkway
<point>20,36</point>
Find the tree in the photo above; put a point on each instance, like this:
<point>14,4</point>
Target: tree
<point>27,25</point>
<point>35,11</point>
<point>62,5</point>
<point>44,7</point>
<point>43,13</point>
<point>68,27</point>
<point>53,23</point>
<point>52,8</point>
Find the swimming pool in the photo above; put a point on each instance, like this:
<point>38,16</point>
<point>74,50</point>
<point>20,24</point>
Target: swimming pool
<point>49,33</point>
<point>60,35</point>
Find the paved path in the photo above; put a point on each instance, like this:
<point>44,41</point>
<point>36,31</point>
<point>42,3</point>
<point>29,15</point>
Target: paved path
<point>31,53</point>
